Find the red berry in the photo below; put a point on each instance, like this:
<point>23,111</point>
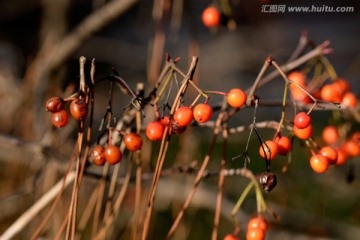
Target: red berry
<point>330,134</point>
<point>255,234</point>
<point>133,141</point>
<point>236,98</point>
<point>342,156</point>
<point>319,163</point>
<point>330,153</point>
<point>284,145</point>
<point>211,16</point>
<point>352,148</point>
<point>113,154</point>
<point>202,112</point>
<point>183,116</point>
<point>258,222</point>
<point>349,99</point>
<point>54,104</point>
<point>98,155</point>
<point>270,149</point>
<point>231,237</point>
<point>78,109</point>
<point>155,131</point>
<point>302,120</point>
<point>60,119</point>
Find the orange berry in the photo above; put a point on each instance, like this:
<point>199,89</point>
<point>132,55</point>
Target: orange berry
<point>258,222</point>
<point>319,163</point>
<point>284,145</point>
<point>300,96</point>
<point>255,234</point>
<point>202,112</point>
<point>297,77</point>
<point>183,116</point>
<point>231,237</point>
<point>342,156</point>
<point>330,93</point>
<point>349,100</point>
<point>341,85</point>
<point>236,97</point>
<point>133,141</point>
<point>330,134</point>
<point>352,148</point>
<point>355,136</point>
<point>211,17</point>
<point>268,150</point>
<point>330,153</point>
<point>304,133</point>
<point>113,154</point>
<point>155,131</point>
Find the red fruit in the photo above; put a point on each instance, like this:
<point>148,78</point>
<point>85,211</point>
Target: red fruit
<point>183,116</point>
<point>297,77</point>
<point>330,93</point>
<point>300,96</point>
<point>133,141</point>
<point>202,112</point>
<point>255,234</point>
<point>341,85</point>
<point>54,104</point>
<point>319,163</point>
<point>258,222</point>
<point>349,99</point>
<point>78,109</point>
<point>155,131</point>
<point>284,145</point>
<point>60,119</point>
<point>302,120</point>
<point>270,150</point>
<point>352,148</point>
<point>342,156</point>
<point>236,98</point>
<point>330,134</point>
<point>330,153</point>
<point>98,155</point>
<point>231,237</point>
<point>304,133</point>
<point>211,17</point>
<point>113,154</point>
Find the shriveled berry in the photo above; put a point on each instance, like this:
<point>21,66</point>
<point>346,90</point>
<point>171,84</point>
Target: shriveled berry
<point>98,155</point>
<point>54,104</point>
<point>78,109</point>
<point>267,181</point>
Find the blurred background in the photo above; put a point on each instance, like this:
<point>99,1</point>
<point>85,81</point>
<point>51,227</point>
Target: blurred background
<point>40,45</point>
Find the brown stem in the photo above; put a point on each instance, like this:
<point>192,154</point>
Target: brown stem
<point>220,185</point>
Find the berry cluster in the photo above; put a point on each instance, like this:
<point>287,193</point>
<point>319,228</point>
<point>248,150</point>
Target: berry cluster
<point>60,117</point>
<point>324,91</point>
